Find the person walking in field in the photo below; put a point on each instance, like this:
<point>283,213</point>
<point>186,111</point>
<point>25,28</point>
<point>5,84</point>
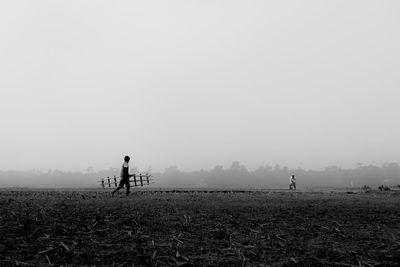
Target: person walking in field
<point>292,183</point>
<point>124,176</point>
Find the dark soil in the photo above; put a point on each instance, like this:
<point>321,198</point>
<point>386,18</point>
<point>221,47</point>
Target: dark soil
<point>271,228</point>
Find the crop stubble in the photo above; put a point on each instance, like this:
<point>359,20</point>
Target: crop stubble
<point>271,228</point>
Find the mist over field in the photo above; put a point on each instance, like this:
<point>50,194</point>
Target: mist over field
<point>199,83</point>
<point>235,176</point>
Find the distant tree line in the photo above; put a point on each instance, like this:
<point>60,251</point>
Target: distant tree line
<point>271,177</point>
<point>236,176</point>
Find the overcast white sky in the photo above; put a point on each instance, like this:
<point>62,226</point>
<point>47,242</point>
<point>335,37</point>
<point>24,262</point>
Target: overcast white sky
<point>198,83</point>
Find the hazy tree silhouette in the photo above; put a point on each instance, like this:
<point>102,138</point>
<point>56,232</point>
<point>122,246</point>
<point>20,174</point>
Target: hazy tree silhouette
<point>236,175</point>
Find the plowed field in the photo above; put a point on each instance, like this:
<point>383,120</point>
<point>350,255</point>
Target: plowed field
<point>255,228</point>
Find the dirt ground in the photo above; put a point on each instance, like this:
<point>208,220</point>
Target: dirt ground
<point>259,228</point>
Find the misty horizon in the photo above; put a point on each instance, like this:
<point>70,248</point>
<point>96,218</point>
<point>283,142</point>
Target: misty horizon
<point>150,169</point>
<point>236,175</point>
<point>308,84</point>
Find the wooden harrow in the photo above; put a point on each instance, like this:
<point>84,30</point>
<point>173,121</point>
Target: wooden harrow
<point>135,181</point>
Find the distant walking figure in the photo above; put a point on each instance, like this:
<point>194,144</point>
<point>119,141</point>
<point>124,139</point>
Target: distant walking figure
<point>292,183</point>
<point>124,176</point>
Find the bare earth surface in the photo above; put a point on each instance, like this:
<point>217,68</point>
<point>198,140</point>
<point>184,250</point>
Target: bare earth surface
<point>258,228</point>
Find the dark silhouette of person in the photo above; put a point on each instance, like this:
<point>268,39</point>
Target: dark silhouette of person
<point>292,183</point>
<point>124,176</point>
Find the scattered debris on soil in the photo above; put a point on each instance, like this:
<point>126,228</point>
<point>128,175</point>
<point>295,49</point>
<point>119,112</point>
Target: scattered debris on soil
<point>271,228</point>
<point>384,188</point>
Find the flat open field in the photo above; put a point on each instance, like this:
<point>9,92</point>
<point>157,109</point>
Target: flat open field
<point>149,228</point>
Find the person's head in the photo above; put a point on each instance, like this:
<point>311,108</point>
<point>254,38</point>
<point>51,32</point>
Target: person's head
<point>127,158</point>
<point>292,175</point>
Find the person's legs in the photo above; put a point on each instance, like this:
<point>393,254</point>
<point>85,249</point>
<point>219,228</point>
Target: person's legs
<point>118,188</point>
<point>121,185</point>
<point>128,186</point>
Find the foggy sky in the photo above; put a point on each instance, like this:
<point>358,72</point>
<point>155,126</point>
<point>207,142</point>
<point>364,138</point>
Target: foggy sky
<point>198,83</point>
